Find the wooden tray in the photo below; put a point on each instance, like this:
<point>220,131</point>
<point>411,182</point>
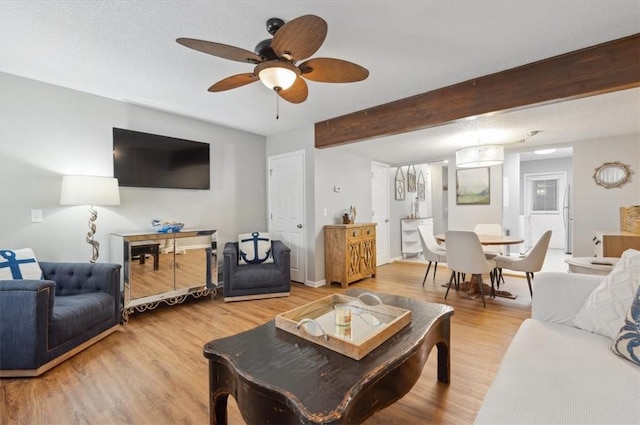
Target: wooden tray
<point>345,324</point>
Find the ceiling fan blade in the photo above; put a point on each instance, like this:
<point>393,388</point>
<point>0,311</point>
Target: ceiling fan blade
<point>328,70</point>
<point>297,93</point>
<point>300,38</point>
<point>234,81</point>
<point>221,50</point>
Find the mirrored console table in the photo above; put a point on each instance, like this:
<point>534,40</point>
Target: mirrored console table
<point>165,267</point>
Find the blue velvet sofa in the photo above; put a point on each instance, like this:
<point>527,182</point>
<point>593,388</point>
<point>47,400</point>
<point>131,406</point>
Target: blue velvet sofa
<point>44,322</point>
<point>253,281</point>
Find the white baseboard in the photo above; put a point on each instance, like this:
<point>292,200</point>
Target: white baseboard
<point>316,284</point>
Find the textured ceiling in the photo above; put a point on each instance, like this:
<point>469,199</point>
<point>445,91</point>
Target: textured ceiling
<point>126,50</point>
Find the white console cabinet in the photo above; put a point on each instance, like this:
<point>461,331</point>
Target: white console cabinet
<point>411,244</point>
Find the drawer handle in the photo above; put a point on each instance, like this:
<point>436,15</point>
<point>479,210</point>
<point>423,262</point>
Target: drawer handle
<point>368,232</point>
<point>355,233</point>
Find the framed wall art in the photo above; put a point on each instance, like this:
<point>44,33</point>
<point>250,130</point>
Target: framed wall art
<point>411,178</point>
<point>399,185</point>
<point>421,187</point>
<point>472,186</point>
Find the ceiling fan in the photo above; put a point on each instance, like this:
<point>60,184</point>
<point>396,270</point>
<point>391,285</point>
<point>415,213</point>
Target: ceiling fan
<point>275,59</point>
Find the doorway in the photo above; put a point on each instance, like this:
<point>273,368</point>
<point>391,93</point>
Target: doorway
<point>286,207</point>
<point>380,207</point>
<point>543,208</point>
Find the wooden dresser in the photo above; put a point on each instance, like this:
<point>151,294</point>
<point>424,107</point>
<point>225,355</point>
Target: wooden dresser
<point>614,243</point>
<point>349,252</point>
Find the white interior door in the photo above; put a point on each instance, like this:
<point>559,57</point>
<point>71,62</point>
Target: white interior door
<point>286,207</point>
<point>543,208</point>
<point>380,213</point>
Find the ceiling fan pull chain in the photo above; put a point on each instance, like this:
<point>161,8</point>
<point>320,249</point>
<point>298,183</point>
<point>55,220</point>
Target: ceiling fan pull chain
<point>276,90</point>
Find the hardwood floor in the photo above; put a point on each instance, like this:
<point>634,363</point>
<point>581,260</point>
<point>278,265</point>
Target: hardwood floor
<point>152,371</point>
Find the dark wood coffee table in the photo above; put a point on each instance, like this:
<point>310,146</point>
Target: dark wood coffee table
<point>279,378</point>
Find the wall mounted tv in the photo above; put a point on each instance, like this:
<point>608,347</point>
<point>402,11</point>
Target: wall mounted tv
<point>149,160</point>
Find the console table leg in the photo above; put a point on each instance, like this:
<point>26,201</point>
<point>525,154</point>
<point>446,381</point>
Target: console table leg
<point>218,409</point>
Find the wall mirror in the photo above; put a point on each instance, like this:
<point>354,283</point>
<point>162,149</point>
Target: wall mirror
<point>612,174</point>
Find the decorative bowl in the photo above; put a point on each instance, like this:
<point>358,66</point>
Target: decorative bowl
<point>164,226</point>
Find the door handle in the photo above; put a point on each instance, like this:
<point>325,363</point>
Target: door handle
<point>299,226</point>
<point>386,220</point>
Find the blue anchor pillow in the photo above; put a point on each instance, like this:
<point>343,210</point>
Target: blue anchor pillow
<point>254,248</point>
<point>19,264</point>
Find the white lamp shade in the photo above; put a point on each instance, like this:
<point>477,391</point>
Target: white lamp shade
<point>480,156</point>
<point>89,190</point>
<point>277,76</point>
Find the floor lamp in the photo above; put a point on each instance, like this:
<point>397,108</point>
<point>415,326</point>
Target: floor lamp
<point>91,191</point>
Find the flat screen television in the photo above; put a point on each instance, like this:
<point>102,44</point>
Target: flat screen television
<point>150,160</point>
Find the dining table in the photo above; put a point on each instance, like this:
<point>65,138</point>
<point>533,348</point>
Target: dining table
<point>491,239</point>
<point>488,240</point>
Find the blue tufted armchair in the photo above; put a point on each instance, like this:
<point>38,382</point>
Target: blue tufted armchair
<point>253,281</point>
<point>44,322</point>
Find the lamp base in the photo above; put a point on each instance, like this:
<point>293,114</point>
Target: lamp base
<point>92,231</point>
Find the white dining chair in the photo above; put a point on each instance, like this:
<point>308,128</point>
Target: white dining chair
<point>465,255</point>
<point>489,229</point>
<point>431,251</point>
<point>530,263</point>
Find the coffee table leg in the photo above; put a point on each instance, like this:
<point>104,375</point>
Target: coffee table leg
<point>444,363</point>
<point>218,409</point>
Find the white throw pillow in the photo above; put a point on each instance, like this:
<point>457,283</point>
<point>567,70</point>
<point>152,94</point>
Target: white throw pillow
<point>19,264</point>
<point>604,310</point>
<point>254,248</point>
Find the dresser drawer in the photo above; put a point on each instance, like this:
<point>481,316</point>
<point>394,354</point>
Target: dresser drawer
<point>368,231</point>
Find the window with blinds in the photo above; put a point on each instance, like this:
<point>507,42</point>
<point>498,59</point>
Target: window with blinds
<point>545,196</point>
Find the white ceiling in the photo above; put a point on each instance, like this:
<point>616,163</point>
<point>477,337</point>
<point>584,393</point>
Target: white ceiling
<point>126,50</point>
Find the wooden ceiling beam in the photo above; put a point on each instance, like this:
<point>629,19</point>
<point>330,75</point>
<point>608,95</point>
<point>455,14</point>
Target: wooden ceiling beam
<point>599,69</point>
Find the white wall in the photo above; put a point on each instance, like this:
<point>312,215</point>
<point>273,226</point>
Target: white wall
<point>511,195</point>
<point>437,199</point>
<point>49,131</point>
<point>337,167</point>
<point>597,208</point>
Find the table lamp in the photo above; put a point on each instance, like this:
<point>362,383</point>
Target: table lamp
<point>91,191</point>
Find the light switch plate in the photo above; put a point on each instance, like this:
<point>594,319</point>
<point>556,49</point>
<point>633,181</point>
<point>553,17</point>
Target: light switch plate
<point>36,216</point>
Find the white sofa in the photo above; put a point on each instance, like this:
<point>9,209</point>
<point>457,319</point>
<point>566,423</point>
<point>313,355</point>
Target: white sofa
<point>555,373</point>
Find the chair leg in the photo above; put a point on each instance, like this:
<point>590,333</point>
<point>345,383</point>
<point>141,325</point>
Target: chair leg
<point>434,271</point>
<point>479,283</point>
<point>499,276</point>
<point>529,277</point>
<point>425,275</point>
<point>494,277</point>
<point>453,276</point>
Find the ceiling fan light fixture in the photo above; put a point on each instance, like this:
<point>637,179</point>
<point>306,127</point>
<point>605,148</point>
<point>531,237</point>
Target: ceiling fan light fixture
<point>480,156</point>
<point>277,74</point>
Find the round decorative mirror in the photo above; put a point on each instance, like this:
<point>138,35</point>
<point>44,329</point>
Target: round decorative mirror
<point>612,174</point>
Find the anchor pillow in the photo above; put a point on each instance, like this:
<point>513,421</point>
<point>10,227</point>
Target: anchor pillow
<point>19,264</point>
<point>254,248</point>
